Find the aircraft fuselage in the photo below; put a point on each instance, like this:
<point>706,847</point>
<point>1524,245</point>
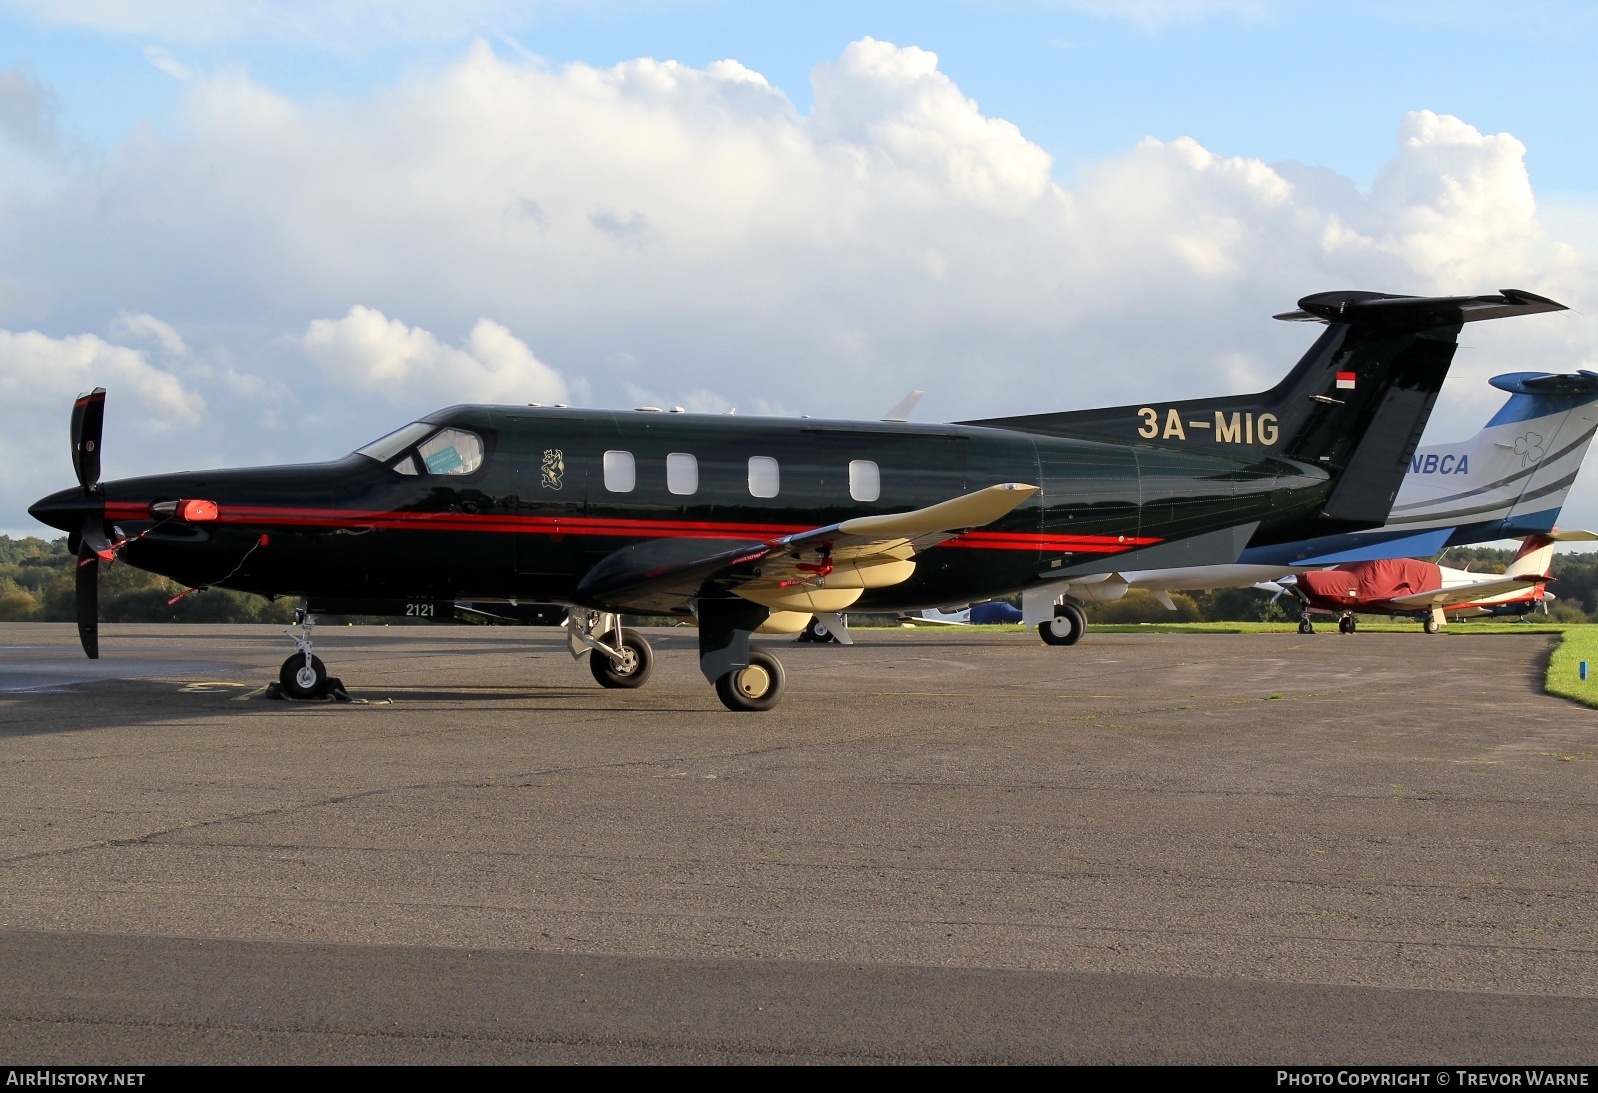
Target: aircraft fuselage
<point>555,491</point>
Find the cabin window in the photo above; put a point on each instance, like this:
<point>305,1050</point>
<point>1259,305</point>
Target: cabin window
<point>621,473</point>
<point>682,474</point>
<point>865,480</point>
<point>406,465</point>
<point>764,478</point>
<point>452,451</point>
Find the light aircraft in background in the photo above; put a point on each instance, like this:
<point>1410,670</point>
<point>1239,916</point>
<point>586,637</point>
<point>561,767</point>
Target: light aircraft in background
<point>1410,588</point>
<point>1508,481</point>
<point>747,524</point>
<point>994,612</point>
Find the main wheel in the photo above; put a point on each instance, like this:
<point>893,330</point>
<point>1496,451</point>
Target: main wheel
<point>757,687</point>
<point>1305,626</point>
<point>816,630</point>
<point>301,681</point>
<point>1430,625</point>
<point>1345,625</point>
<point>632,670</point>
<point>1070,622</point>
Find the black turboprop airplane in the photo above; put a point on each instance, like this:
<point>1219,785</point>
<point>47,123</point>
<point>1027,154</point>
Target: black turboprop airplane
<point>756,525</point>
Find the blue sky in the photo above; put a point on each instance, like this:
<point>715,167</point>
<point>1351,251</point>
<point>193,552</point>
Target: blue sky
<point>277,229</point>
<point>1277,81</point>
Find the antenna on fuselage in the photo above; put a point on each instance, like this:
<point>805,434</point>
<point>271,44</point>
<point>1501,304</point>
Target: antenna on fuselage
<point>905,407</point>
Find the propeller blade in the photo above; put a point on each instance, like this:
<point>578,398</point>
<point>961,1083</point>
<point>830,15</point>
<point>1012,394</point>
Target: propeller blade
<point>93,538</point>
<point>89,600</point>
<point>88,421</point>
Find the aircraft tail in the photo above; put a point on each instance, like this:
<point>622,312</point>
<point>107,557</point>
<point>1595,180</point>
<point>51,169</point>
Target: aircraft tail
<point>1355,405</point>
<point>1516,472</point>
<point>1536,553</point>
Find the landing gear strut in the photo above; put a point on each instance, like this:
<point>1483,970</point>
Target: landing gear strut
<point>620,659</point>
<point>303,674</point>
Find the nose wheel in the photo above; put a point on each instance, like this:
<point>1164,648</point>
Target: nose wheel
<point>302,677</point>
<point>629,667</point>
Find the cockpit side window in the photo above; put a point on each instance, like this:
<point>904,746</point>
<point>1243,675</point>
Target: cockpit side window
<point>451,451</point>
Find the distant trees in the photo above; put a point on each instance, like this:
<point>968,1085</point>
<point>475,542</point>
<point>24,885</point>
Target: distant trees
<point>38,584</point>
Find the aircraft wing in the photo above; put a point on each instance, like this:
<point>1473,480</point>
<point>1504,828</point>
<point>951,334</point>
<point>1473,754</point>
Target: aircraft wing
<point>663,575</point>
<point>1466,593</point>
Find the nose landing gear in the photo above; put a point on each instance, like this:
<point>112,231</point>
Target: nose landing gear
<point>303,675</point>
<point>619,659</point>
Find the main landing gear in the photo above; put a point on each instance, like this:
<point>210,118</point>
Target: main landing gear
<point>746,677</point>
<point>1304,625</point>
<point>1348,623</point>
<point>757,687</point>
<point>1070,622</point>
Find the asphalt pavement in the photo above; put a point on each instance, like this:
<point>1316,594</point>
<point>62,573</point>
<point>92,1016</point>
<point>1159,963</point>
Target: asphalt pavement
<point>941,847</point>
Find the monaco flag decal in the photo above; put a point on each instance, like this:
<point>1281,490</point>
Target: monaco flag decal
<point>1345,381</point>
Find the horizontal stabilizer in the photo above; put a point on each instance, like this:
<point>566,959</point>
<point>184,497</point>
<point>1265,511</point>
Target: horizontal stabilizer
<point>1415,312</point>
<point>1578,384</point>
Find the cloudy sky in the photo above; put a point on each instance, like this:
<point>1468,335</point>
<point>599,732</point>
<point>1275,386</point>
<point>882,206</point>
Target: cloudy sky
<point>275,229</point>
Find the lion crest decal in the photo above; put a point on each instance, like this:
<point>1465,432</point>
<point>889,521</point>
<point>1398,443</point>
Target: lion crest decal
<point>553,468</point>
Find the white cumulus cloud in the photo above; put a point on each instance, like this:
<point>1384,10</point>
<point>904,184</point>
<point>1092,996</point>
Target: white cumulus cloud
<point>40,376</point>
<point>652,226</point>
<point>367,350</point>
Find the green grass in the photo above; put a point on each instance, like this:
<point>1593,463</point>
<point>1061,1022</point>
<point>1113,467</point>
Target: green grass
<point>1564,679</point>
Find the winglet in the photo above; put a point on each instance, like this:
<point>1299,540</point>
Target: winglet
<point>973,510</point>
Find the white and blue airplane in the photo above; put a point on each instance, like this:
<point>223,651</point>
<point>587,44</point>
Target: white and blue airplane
<point>1509,480</point>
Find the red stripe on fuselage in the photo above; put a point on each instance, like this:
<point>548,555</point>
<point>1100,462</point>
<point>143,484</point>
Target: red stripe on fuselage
<point>620,527</point>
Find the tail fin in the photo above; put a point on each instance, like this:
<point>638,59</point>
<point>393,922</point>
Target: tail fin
<point>1354,406</point>
<point>1536,552</point>
<point>1511,478</point>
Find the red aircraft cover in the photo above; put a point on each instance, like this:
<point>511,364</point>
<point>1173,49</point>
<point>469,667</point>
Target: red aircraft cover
<point>1371,582</point>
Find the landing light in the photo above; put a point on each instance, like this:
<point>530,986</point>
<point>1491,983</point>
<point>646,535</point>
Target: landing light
<point>193,511</point>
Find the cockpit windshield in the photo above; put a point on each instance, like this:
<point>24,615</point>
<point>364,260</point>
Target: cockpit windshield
<point>394,443</point>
